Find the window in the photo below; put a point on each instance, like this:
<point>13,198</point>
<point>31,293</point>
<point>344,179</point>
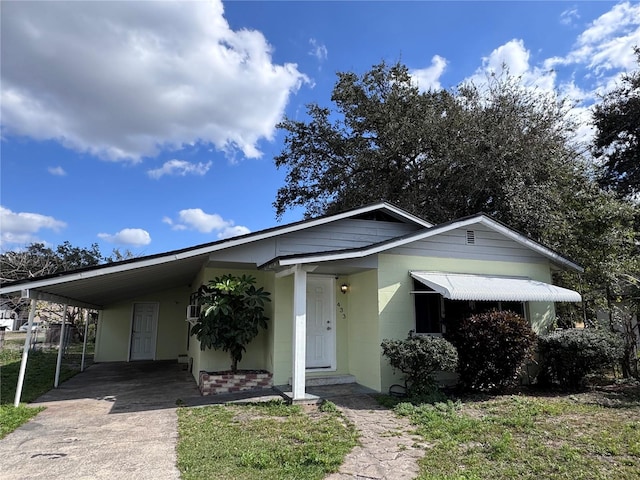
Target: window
<point>435,314</point>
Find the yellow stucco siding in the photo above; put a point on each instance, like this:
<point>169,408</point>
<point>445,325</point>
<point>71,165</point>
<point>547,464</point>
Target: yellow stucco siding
<point>396,307</point>
<point>283,330</point>
<point>363,329</point>
<point>114,327</point>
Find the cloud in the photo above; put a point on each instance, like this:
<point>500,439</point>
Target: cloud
<point>608,41</point>
<point>429,78</point>
<point>318,50</point>
<point>569,16</point>
<point>180,168</point>
<point>20,228</point>
<point>57,171</point>
<point>134,237</point>
<point>513,57</point>
<point>125,80</point>
<point>197,219</point>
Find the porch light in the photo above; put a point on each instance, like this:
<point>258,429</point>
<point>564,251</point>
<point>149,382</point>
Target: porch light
<point>344,288</point>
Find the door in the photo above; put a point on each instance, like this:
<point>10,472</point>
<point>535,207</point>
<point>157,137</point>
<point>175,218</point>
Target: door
<point>321,319</point>
<point>143,331</point>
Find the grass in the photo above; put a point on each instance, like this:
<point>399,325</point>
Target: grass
<point>262,441</point>
<point>530,437</point>
<point>39,378</point>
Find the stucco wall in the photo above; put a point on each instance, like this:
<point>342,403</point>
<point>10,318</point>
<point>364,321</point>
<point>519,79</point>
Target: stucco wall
<point>114,327</point>
<point>395,303</point>
<point>363,329</point>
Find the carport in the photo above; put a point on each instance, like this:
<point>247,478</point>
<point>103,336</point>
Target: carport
<point>94,287</point>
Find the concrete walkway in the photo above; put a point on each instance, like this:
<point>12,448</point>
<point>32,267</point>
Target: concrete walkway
<point>114,421</point>
<point>387,449</point>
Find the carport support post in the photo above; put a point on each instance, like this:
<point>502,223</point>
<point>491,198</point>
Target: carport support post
<point>61,346</point>
<point>84,344</point>
<point>25,353</point>
<point>299,332</point>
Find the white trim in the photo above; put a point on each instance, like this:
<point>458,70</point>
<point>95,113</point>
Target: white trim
<point>423,234</point>
<point>154,334</point>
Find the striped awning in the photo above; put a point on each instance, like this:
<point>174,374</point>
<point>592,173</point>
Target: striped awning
<point>456,286</point>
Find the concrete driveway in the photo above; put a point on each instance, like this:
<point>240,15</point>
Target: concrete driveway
<point>114,421</point>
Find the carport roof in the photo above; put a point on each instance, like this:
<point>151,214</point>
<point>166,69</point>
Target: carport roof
<point>95,287</point>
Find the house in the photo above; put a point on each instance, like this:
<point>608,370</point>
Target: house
<point>339,285</point>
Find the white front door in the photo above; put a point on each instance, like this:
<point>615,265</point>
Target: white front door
<point>321,320</point>
<point>143,331</point>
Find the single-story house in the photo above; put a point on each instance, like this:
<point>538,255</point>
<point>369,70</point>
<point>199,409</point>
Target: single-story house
<point>339,285</point>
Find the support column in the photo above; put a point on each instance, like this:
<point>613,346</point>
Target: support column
<point>84,344</point>
<point>61,346</point>
<point>299,332</point>
<point>25,353</point>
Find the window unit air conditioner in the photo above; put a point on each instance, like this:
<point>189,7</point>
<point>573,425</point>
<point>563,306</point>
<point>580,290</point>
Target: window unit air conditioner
<point>193,314</point>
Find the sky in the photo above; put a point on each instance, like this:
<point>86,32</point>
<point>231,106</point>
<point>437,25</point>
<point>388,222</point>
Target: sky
<point>150,126</point>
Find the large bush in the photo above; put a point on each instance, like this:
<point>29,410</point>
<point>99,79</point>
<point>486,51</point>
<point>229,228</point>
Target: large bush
<point>492,347</point>
<point>568,356</point>
<point>419,357</point>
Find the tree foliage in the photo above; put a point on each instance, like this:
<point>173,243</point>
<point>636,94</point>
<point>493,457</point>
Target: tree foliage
<point>617,140</point>
<point>232,313</point>
<point>496,148</point>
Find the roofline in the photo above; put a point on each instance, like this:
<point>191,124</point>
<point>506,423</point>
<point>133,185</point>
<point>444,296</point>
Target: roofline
<point>421,235</point>
<point>203,249</point>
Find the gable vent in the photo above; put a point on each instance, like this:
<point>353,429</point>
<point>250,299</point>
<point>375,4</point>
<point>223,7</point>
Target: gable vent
<point>471,237</point>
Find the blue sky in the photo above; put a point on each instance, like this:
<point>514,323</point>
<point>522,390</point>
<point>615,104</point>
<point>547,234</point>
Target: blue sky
<point>150,126</point>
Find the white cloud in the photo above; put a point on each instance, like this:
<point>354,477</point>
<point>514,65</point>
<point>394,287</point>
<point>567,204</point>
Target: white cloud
<point>429,78</point>
<point>20,228</point>
<point>318,50</point>
<point>181,168</point>
<point>57,171</point>
<point>134,237</point>
<point>513,57</point>
<point>124,80</point>
<point>608,41</point>
<point>569,16</point>
<point>197,219</point>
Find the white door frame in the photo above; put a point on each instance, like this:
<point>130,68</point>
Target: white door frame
<point>332,313</point>
<point>154,335</point>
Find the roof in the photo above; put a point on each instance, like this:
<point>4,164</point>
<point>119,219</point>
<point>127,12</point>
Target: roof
<point>96,286</point>
<point>482,218</point>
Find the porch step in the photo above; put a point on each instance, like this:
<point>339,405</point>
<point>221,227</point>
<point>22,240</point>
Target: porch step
<point>328,380</point>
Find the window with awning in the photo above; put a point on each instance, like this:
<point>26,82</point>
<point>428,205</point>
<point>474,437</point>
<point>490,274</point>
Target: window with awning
<point>442,299</point>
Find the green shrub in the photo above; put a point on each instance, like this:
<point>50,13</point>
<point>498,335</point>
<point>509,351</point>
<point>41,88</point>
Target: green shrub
<point>419,358</point>
<point>568,356</point>
<point>492,347</point>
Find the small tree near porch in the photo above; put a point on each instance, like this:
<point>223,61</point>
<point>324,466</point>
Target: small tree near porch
<point>231,315</point>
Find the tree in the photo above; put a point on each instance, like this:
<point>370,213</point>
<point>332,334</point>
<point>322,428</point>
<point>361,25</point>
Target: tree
<point>232,312</point>
<point>497,148</point>
<point>617,140</point>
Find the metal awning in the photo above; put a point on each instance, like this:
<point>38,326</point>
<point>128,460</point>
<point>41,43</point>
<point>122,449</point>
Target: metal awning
<point>456,286</point>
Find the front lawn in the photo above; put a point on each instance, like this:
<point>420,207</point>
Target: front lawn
<point>262,441</point>
<point>594,435</point>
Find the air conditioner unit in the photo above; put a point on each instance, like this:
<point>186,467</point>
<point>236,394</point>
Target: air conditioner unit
<point>193,314</point>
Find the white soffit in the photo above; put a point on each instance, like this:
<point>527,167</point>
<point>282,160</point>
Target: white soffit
<point>456,286</point>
